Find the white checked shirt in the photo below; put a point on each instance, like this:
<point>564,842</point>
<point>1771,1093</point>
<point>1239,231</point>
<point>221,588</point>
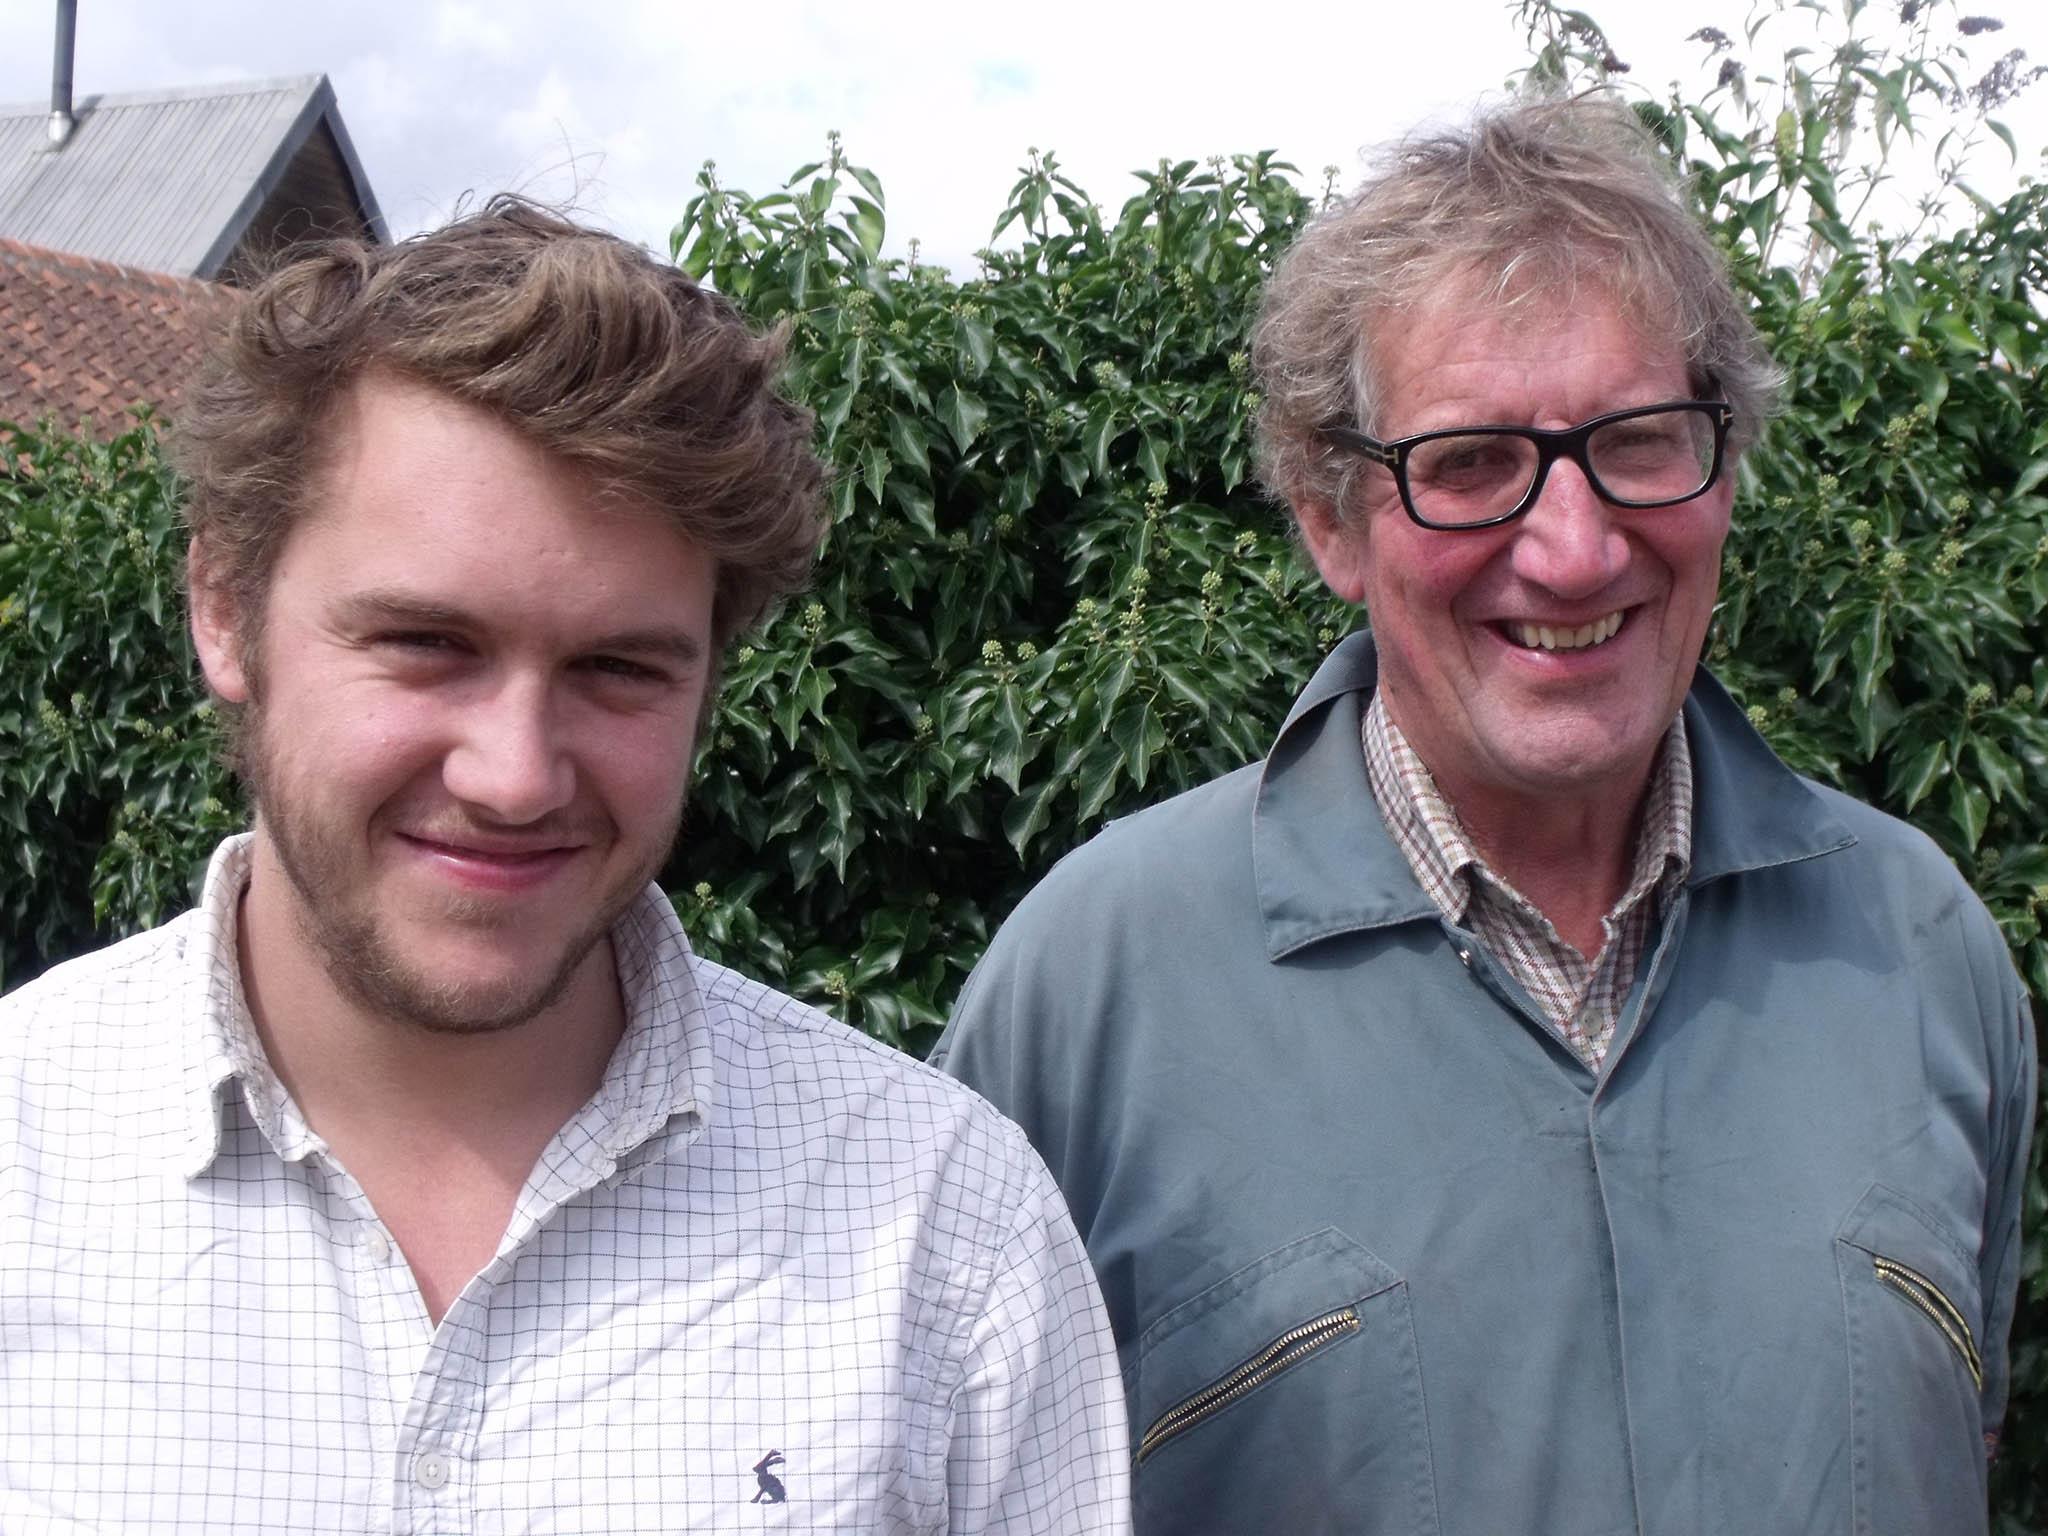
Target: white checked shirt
<point>764,1234</point>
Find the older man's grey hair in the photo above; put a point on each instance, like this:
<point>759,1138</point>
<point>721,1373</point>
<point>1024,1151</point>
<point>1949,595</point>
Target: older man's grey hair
<point>1533,206</point>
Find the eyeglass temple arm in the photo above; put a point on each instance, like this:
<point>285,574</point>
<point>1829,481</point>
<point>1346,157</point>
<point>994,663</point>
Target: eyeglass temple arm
<point>1372,447</point>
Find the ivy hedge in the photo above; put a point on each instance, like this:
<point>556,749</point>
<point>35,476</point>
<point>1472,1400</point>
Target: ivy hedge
<point>1052,593</point>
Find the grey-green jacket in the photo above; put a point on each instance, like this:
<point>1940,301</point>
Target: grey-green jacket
<point>1383,1256</point>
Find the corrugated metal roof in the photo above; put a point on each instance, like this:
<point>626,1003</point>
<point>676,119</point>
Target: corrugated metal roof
<point>164,180</point>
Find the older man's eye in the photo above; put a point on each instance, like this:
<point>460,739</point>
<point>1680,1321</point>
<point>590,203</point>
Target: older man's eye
<point>1643,440</point>
<point>1467,463</point>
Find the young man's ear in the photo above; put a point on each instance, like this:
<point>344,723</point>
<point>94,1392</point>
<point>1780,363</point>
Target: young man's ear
<point>1337,548</point>
<point>216,629</point>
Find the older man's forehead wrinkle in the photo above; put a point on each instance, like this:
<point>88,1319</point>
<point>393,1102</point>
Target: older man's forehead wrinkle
<point>1449,369</point>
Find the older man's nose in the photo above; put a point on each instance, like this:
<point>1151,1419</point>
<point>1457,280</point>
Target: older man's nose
<point>509,761</point>
<point>1571,542</point>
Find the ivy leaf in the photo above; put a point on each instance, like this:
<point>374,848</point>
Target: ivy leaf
<point>867,224</point>
<point>869,181</point>
<point>1870,653</point>
<point>907,439</point>
<point>1011,747</point>
<point>1152,459</point>
<point>1096,436</point>
<point>1969,808</point>
<point>893,369</point>
<point>964,415</point>
<point>915,503</point>
<point>973,346</point>
<point>1027,815</point>
<point>1139,735</point>
<point>2002,776</point>
<point>1096,780</point>
<point>1911,778</point>
<point>874,470</point>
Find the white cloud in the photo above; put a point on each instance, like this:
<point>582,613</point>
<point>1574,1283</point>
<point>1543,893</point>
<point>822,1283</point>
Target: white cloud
<point>464,27</point>
<point>619,103</point>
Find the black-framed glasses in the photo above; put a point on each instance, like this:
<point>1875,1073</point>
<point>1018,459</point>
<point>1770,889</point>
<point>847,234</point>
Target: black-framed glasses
<point>1480,477</point>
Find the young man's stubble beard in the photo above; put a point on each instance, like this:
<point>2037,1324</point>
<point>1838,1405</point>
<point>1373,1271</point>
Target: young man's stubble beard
<point>356,953</point>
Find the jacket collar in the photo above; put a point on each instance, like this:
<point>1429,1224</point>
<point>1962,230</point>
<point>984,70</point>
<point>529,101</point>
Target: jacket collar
<point>1325,863</point>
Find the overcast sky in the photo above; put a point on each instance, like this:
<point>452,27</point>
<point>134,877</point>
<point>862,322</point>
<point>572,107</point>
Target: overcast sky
<point>616,103</point>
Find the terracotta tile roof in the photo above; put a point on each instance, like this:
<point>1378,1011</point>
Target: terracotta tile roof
<point>85,339</point>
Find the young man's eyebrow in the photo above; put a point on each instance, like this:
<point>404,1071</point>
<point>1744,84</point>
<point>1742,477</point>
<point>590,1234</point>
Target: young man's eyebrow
<point>362,610</point>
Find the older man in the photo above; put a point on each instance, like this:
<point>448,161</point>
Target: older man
<point>422,1179</point>
<point>1521,1104</point>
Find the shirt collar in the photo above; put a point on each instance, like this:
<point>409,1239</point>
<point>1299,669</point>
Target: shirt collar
<point>661,1069</point>
<point>228,1054</point>
<point>1326,863</point>
<point>1446,863</point>
<point>664,1067</point>
<point>1424,825</point>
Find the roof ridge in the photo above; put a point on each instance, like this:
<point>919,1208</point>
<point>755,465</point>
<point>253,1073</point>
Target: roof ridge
<point>269,85</point>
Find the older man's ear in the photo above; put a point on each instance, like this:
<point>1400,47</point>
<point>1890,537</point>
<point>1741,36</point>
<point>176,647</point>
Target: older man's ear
<point>1337,548</point>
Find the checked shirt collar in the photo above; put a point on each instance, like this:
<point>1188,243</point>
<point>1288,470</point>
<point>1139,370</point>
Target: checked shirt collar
<point>1581,996</point>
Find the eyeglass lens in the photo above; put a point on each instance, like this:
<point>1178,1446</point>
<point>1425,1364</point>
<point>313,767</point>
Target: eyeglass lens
<point>1471,477</point>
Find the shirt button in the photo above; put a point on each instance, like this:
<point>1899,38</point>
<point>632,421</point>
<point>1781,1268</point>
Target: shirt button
<point>430,1471</point>
<point>376,1246</point>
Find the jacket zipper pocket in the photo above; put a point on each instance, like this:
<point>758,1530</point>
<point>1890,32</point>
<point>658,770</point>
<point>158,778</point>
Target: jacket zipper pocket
<point>1925,1295</point>
<point>1290,1349</point>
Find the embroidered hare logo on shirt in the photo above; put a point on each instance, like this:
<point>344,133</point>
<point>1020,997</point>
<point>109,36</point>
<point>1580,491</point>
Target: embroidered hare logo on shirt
<point>771,1490</point>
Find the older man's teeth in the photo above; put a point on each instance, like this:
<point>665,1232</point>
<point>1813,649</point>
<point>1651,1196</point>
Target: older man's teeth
<point>1548,638</point>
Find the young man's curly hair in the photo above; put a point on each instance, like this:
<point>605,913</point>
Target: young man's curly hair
<point>581,342</point>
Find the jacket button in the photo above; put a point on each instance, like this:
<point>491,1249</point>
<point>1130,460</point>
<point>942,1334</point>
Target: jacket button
<point>1465,958</point>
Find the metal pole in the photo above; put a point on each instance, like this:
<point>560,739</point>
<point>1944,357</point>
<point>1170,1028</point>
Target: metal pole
<point>61,120</point>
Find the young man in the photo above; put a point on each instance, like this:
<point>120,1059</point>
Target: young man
<point>422,1178</point>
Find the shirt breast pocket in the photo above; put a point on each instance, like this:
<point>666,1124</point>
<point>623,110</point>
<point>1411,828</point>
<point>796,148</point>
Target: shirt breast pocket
<point>1287,1396</point>
<point>1910,1297</point>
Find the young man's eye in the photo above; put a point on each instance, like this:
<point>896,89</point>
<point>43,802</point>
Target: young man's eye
<point>628,670</point>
